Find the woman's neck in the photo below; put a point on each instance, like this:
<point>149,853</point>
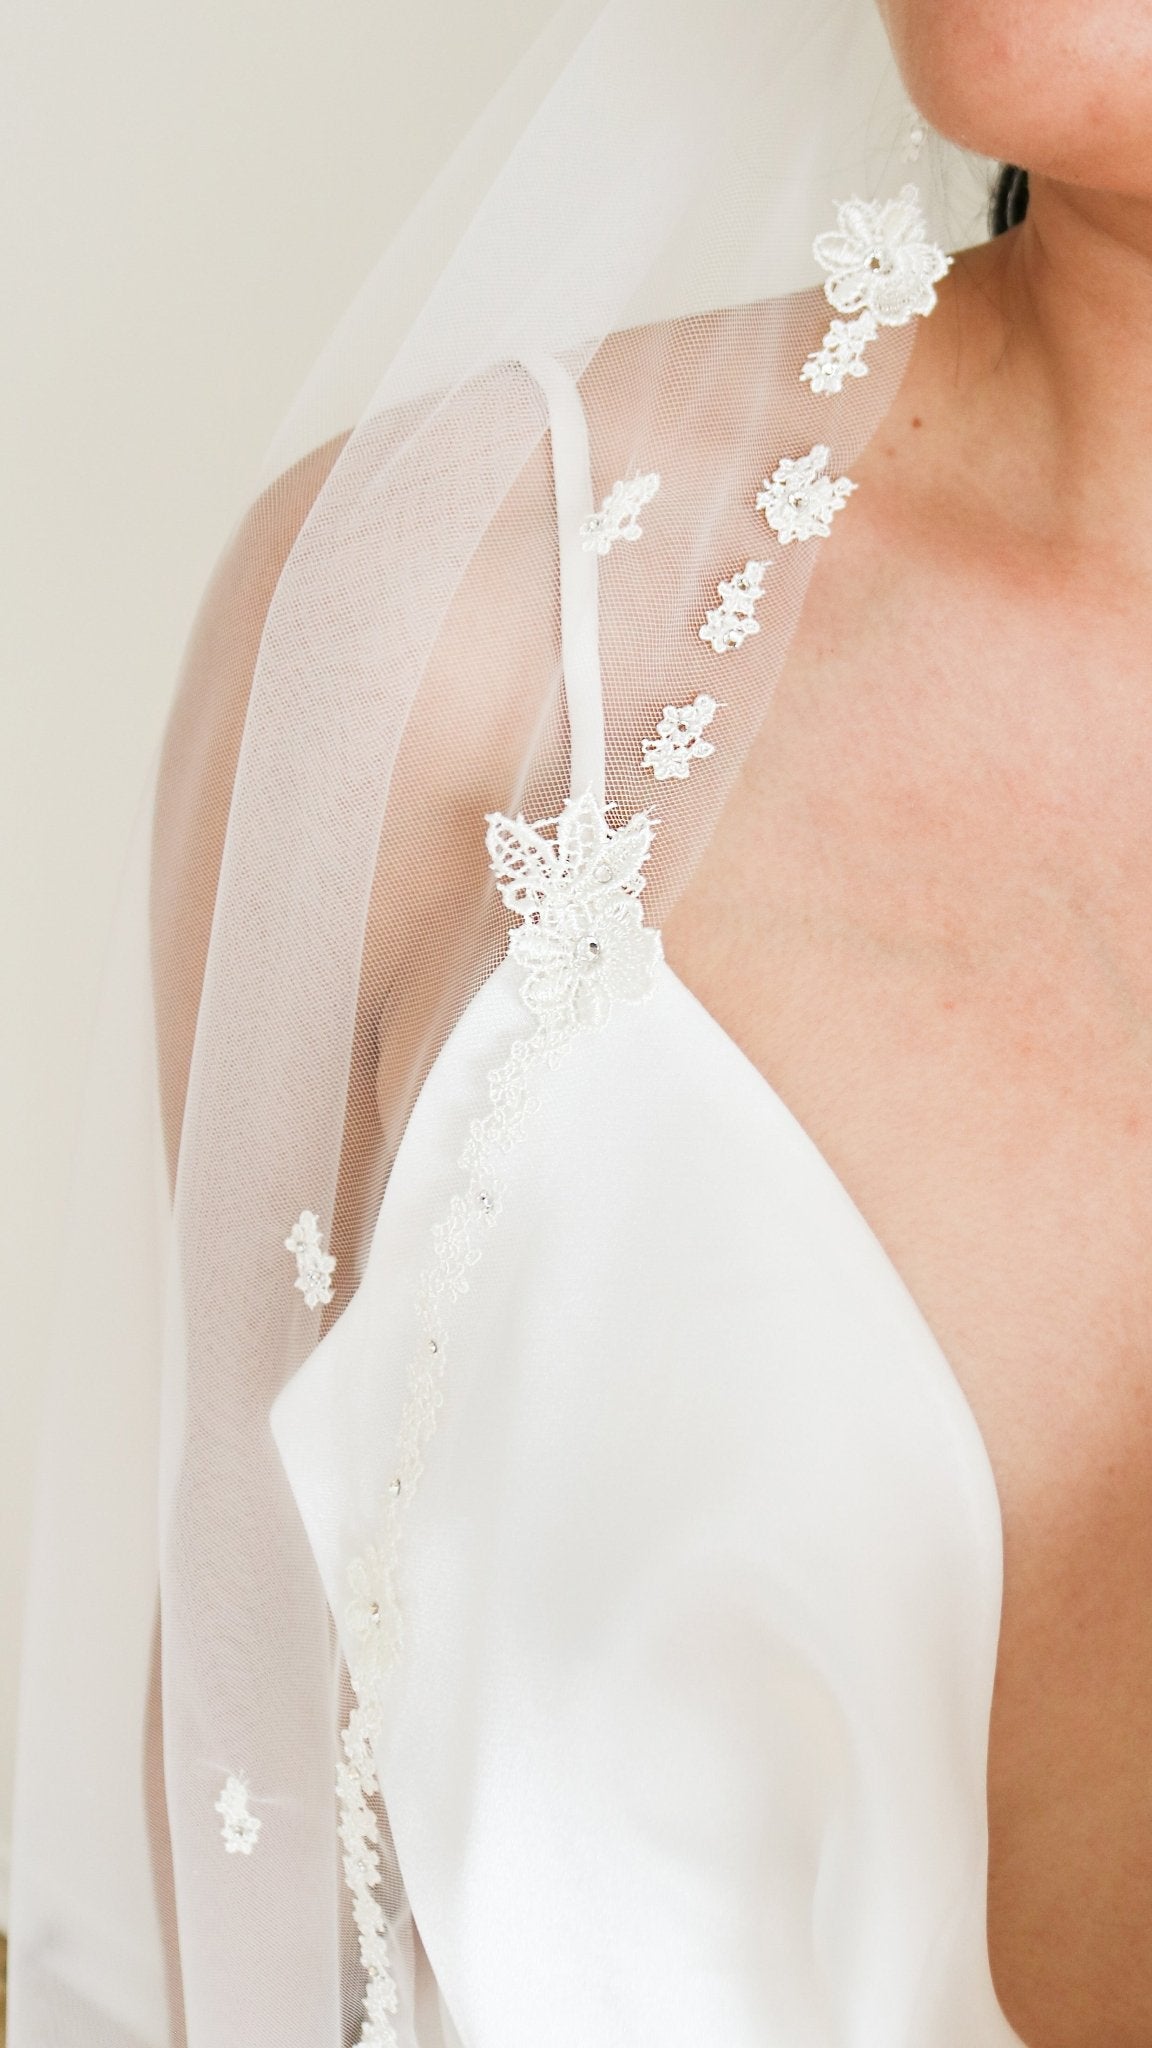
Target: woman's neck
<point>1052,335</point>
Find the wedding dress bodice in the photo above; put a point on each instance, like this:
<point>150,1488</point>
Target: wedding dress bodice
<point>685,1740</point>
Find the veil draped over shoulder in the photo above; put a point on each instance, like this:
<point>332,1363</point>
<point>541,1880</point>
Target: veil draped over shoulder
<point>719,221</point>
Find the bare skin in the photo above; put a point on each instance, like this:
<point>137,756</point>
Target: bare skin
<point>941,853</point>
<point>925,916</point>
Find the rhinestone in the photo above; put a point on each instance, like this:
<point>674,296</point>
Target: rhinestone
<point>593,948</point>
<point>602,872</point>
<point>394,1488</point>
<point>485,1201</point>
<point>433,1346</point>
<point>374,1610</point>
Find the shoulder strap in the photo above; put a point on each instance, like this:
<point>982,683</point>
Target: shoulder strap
<point>579,575</point>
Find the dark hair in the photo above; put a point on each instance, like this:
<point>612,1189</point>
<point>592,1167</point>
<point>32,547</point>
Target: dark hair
<point>1009,199</point>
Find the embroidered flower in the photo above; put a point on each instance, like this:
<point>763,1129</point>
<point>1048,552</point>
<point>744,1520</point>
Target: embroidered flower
<point>583,944</point>
<point>616,519</point>
<point>680,739</point>
<point>240,1828</point>
<point>314,1266</point>
<point>800,501</point>
<point>879,261</point>
<point>730,622</point>
<point>841,353</point>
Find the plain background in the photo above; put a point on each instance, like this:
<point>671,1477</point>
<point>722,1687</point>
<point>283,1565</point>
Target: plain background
<point>189,196</point>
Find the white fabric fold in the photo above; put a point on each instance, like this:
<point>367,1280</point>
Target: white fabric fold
<point>688,1736</point>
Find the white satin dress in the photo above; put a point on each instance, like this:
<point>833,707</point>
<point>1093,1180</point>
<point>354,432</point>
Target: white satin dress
<point>686,1743</point>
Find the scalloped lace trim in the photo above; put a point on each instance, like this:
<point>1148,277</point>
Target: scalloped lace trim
<point>583,946</point>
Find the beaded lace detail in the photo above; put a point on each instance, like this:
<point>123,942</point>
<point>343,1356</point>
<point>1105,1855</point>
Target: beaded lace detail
<point>616,519</point>
<point>583,943</point>
<point>239,1827</point>
<point>841,353</point>
<point>575,884</point>
<point>881,268</point>
<point>800,500</point>
<point>314,1266</point>
<point>680,739</point>
<point>731,622</point>
<point>879,260</point>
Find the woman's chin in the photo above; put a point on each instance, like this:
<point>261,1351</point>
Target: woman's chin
<point>1063,86</point>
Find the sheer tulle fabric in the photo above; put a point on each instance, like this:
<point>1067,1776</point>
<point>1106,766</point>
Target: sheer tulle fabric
<point>309,909</point>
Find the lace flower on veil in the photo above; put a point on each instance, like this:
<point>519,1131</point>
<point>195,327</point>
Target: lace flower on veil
<point>800,500</point>
<point>883,270</point>
<point>879,260</point>
<point>576,884</point>
<point>680,739</point>
<point>617,518</point>
<point>841,353</point>
<point>239,1827</point>
<point>314,1266</point>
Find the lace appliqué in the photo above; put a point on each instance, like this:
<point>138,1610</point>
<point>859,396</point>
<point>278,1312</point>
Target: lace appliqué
<point>239,1827</point>
<point>617,517</point>
<point>582,943</point>
<point>880,268</point>
<point>680,739</point>
<point>841,353</point>
<point>800,501</point>
<point>731,622</point>
<point>879,261</point>
<point>314,1266</point>
<point>356,1786</point>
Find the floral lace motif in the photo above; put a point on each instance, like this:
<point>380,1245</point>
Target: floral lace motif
<point>680,739</point>
<point>616,519</point>
<point>240,1828</point>
<point>880,268</point>
<point>582,943</point>
<point>356,1785</point>
<point>878,259</point>
<point>314,1266</point>
<point>731,622</point>
<point>841,353</point>
<point>800,501</point>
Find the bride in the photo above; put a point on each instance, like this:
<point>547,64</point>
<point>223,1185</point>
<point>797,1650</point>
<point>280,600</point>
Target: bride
<point>641,950</point>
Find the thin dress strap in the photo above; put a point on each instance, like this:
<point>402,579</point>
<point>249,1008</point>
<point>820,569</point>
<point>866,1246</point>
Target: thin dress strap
<point>579,575</point>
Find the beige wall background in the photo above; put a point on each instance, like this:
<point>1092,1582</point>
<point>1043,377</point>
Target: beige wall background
<point>191,192</point>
